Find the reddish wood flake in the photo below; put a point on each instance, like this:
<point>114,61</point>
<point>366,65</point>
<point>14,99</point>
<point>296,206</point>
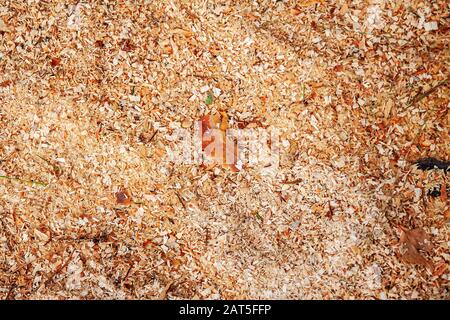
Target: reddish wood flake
<point>55,62</point>
<point>443,192</point>
<point>338,68</point>
<point>147,243</point>
<point>5,83</point>
<point>128,46</point>
<point>99,44</point>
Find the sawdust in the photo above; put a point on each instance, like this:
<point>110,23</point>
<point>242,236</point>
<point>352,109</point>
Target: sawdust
<point>85,87</point>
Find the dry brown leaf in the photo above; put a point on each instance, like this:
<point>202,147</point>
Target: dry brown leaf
<point>123,197</point>
<point>411,243</point>
<point>214,134</point>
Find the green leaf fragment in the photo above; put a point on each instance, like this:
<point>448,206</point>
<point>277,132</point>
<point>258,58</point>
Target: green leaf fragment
<point>209,99</point>
<point>257,215</point>
<point>303,91</point>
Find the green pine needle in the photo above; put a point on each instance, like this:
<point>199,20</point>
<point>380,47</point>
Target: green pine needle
<point>27,182</point>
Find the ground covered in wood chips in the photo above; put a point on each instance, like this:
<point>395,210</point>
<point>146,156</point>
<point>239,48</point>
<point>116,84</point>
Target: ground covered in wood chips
<point>90,208</point>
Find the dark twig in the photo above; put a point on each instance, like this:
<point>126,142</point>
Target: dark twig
<point>181,200</point>
<point>153,135</point>
<point>425,94</point>
<point>127,274</point>
<point>292,182</point>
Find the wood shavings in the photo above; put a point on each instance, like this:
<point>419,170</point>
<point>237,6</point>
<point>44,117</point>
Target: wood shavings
<point>91,94</point>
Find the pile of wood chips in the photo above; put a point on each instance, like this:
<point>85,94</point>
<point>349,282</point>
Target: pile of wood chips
<point>90,92</point>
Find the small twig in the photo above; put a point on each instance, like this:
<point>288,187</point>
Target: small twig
<point>257,215</point>
<point>144,138</point>
<point>127,274</point>
<point>330,212</point>
<point>207,236</point>
<point>425,94</point>
<point>57,171</point>
<point>28,182</point>
<point>153,135</point>
<point>181,200</point>
<point>292,182</point>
